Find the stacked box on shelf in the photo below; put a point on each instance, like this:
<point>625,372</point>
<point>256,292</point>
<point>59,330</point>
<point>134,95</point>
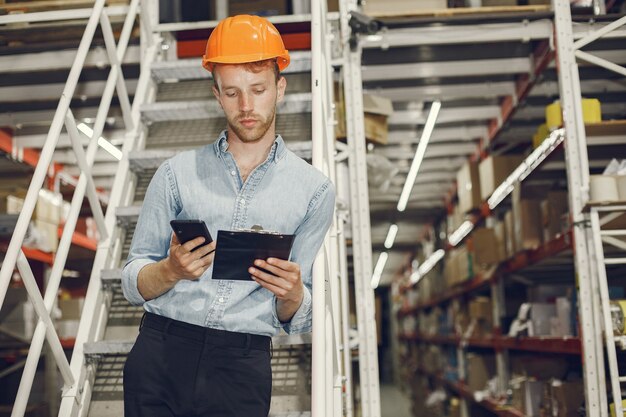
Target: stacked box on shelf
<point>493,170</point>
<point>46,218</point>
<point>481,314</point>
<point>468,187</point>
<point>460,317</point>
<point>553,210</point>
<point>487,249</point>
<point>527,223</point>
<point>480,369</point>
<point>457,266</point>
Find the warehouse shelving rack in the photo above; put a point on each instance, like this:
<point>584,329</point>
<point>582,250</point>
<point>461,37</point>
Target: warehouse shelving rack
<point>584,243</point>
<point>92,381</point>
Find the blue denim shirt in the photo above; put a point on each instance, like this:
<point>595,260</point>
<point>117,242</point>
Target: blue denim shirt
<point>283,194</point>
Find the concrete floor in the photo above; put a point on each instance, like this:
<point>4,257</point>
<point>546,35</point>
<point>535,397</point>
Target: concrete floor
<point>394,403</point>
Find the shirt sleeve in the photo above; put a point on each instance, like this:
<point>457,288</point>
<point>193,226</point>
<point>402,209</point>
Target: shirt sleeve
<point>151,239</point>
<point>309,238</point>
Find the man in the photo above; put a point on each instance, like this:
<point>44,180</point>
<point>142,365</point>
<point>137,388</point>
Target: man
<point>204,344</point>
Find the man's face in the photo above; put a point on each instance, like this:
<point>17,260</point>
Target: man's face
<point>248,99</point>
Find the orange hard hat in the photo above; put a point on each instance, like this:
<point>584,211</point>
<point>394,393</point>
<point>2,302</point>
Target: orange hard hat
<point>244,38</point>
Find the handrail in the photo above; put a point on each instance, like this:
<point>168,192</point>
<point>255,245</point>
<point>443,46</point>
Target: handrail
<point>14,254</point>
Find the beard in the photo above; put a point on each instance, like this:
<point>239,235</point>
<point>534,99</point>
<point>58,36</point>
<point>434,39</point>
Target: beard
<point>255,133</point>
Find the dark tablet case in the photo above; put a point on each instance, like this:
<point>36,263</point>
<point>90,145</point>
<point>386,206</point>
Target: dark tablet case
<point>237,250</point>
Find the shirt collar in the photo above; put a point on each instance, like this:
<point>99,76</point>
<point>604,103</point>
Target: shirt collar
<point>276,153</point>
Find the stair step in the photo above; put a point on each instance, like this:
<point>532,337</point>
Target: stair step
<point>149,160</point>
<point>146,162</point>
<point>210,109</point>
<point>127,216</point>
<point>111,275</point>
<point>186,134</point>
<point>107,348</point>
<point>191,69</point>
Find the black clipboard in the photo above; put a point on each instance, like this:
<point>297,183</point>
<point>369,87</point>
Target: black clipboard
<point>236,251</point>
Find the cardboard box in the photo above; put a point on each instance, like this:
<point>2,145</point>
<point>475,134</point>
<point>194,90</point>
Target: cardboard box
<point>499,229</point>
<point>257,7</point>
<point>47,209</point>
<point>567,397</point>
<point>376,112</point>
<point>49,235</point>
<point>486,248</point>
<point>401,6</point>
<point>494,170</point>
<point>468,187</point>
<point>480,368</point>
<point>557,204</point>
<point>71,308</point>
<point>527,223</point>
<point>480,309</point>
<point>509,227</point>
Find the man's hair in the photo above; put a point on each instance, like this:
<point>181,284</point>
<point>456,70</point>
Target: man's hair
<point>254,67</point>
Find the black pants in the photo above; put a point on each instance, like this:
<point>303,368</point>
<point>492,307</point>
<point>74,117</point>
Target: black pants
<point>177,369</point>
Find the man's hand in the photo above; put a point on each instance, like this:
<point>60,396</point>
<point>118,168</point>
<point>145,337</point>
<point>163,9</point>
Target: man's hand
<point>158,278</point>
<point>184,264</point>
<point>284,280</point>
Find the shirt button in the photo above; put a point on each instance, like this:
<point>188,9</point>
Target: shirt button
<point>233,173</point>
<point>221,299</point>
<point>242,202</point>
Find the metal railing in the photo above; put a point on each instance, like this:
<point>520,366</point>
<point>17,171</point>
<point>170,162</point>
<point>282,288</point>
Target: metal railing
<point>64,116</point>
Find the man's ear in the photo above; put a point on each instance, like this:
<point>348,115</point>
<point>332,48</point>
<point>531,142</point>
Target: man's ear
<point>216,92</point>
<point>281,86</point>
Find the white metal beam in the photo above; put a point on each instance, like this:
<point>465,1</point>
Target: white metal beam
<point>46,116</point>
<point>42,92</point>
<point>58,60</point>
<point>439,135</point>
<point>478,67</point>
<point>57,15</point>
<point>551,88</point>
<point>616,56</point>
<point>437,35</point>
<point>523,31</point>
<point>447,115</point>
<point>433,151</point>
<point>447,92</point>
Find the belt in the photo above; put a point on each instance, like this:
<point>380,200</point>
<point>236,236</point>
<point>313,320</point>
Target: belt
<point>206,334</point>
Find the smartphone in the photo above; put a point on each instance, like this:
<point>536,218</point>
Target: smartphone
<point>187,230</point>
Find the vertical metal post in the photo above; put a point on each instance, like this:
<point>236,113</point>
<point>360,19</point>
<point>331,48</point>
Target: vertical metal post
<point>606,314</point>
<point>502,356</point>
<point>361,234</point>
<point>460,358</point>
<point>578,183</point>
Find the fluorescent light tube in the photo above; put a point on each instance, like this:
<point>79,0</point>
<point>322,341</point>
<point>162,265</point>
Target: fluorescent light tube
<point>419,155</point>
<point>391,236</point>
<point>378,270</point>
